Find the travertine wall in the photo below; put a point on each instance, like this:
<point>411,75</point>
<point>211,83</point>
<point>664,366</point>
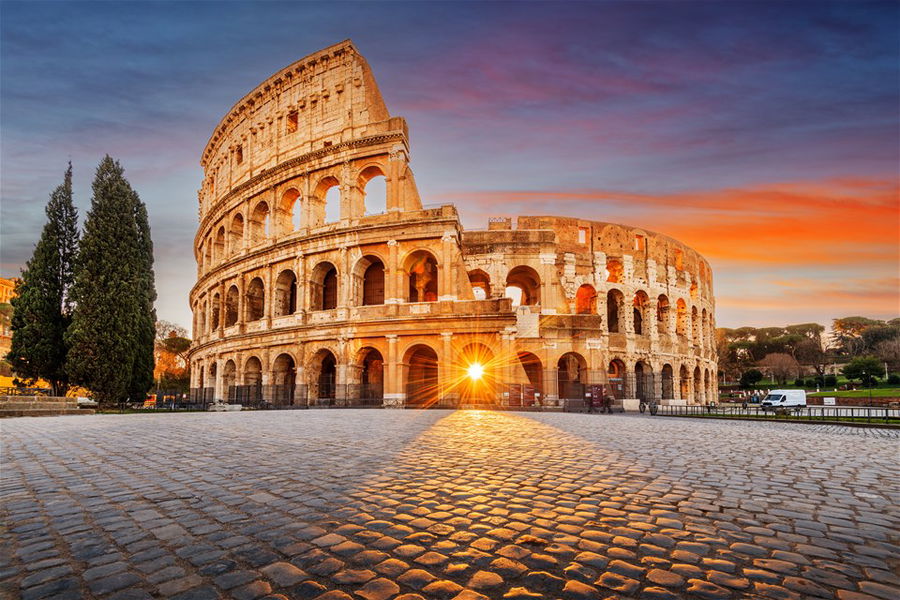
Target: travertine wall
<point>292,308</point>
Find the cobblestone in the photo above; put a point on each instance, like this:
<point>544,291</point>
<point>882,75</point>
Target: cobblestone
<point>409,505</point>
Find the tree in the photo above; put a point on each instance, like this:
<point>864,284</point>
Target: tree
<point>889,352</point>
<point>42,308</point>
<point>847,334</point>
<point>110,342</point>
<point>781,365</point>
<point>172,366</point>
<point>750,378</point>
<point>863,368</point>
<point>810,352</point>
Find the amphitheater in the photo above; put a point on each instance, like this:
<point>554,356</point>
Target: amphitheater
<point>323,280</point>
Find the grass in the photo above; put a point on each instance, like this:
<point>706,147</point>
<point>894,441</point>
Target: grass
<point>864,393</point>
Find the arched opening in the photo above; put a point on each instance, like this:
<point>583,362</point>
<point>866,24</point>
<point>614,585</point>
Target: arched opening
<point>571,376</point>
<point>643,381</point>
<point>256,300</point>
<point>616,378</point>
<point>481,284</point>
<point>250,393</point>
<point>478,386</point>
<point>422,387</point>
<point>684,383</point>
<point>329,194</point>
<point>232,300</point>
<point>369,281</point>
<point>209,394</point>
<point>323,374</point>
<point>422,273</point>
<point>219,246</point>
<point>229,376</point>
<point>614,301</point>
<point>207,254</point>
<point>698,385</point>
<point>373,185</point>
<point>586,300</point>
<point>236,234</point>
<point>283,380</point>
<point>615,272</point>
<point>523,286</point>
<point>704,328</point>
<point>695,326</point>
<point>681,317</point>
<point>285,293</point>
<point>324,287</point>
<point>668,382</point>
<point>532,391</point>
<point>371,376</point>
<point>201,318</point>
<point>641,304</point>
<point>215,312</point>
<point>291,209</point>
<point>259,223</point>
<point>662,315</point>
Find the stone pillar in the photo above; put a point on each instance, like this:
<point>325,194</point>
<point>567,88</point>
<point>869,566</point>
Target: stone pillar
<point>343,301</point>
<point>446,283</point>
<point>548,283</point>
<point>596,360</point>
<point>341,377</point>
<point>394,396</point>
<point>394,178</point>
<point>447,367</point>
<point>392,273</point>
<point>551,386</point>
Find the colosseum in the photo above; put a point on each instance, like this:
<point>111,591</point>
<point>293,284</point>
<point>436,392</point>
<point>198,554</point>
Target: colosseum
<point>324,280</point>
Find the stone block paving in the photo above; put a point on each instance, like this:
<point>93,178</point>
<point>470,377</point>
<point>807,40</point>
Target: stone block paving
<point>374,505</point>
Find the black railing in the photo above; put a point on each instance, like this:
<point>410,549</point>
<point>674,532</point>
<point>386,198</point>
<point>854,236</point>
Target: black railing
<point>852,414</point>
<point>25,391</point>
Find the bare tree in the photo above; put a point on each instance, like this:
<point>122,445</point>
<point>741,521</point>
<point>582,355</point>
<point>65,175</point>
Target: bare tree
<point>782,366</point>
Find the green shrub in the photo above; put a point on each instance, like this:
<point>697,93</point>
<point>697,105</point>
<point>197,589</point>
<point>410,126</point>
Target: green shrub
<point>893,379</point>
<point>831,380</point>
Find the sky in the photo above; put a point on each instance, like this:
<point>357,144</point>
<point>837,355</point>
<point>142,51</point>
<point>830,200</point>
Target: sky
<point>764,135</point>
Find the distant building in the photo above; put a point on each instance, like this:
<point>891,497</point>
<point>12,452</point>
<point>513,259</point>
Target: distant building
<point>7,293</point>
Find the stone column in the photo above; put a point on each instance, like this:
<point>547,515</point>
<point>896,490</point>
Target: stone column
<point>302,285</point>
<point>343,301</point>
<point>446,283</point>
<point>341,378</point>
<point>393,179</point>
<point>596,359</point>
<point>549,298</point>
<point>393,275</point>
<point>447,366</point>
<point>394,396</point>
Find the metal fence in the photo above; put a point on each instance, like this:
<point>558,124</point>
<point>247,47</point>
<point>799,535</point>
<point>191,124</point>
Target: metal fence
<point>25,391</point>
<point>862,414</point>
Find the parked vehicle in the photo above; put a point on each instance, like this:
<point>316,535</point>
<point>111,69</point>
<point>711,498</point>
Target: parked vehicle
<point>84,402</point>
<point>784,399</point>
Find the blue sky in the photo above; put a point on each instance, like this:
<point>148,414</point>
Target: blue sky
<point>763,134</point>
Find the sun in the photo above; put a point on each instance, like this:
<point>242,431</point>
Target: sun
<point>475,371</point>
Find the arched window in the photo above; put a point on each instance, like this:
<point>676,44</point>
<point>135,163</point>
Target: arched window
<point>421,376</point>
<point>219,248</point>
<point>236,234</point>
<point>684,383</point>
<point>253,371</point>
<point>523,285</point>
<point>291,211</point>
<point>681,317</point>
<point>586,300</point>
<point>571,375</point>
<point>641,303</point>
<point>481,284</point>
<point>283,378</point>
<point>229,378</point>
<point>285,293</point>
<point>643,381</point>
<point>662,314</point>
<point>259,223</point>
<point>232,299</point>
<point>371,376</point>
<point>373,185</point>
<point>256,299</point>
<point>328,194</point>
<point>215,311</point>
<point>422,273</point>
<point>324,282</point>
<point>695,326</point>
<point>368,281</point>
<point>668,387</point>
<point>323,377</point>
<point>615,272</point>
<point>616,376</point>
<point>614,301</point>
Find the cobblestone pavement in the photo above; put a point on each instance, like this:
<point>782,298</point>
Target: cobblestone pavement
<point>371,505</point>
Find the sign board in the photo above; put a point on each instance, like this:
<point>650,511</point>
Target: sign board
<point>828,401</point>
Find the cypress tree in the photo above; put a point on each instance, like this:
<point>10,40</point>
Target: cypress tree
<point>113,293</point>
<point>42,307</point>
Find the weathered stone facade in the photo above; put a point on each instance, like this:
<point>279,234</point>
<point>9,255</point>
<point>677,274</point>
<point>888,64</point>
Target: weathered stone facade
<point>291,308</point>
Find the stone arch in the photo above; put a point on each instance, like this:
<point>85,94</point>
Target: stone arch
<point>236,234</point>
<point>284,379</point>
<point>528,283</point>
<point>290,211</point>
<point>586,300</point>
<point>617,378</point>
<point>207,254</point>
<point>260,223</point>
<point>369,281</point>
<point>232,303</point>
<point>681,317</point>
<point>641,306</point>
<point>615,270</point>
<point>534,371</point>
<point>327,205</point>
<point>615,301</point>
<point>323,284</point>
<point>285,293</point>
<point>698,385</point>
<point>370,363</point>
<point>643,381</point>
<point>421,268</point>
<point>571,376</point>
<point>668,382</point>
<point>662,314</point>
<point>372,184</point>
<point>322,377</point>
<point>219,246</point>
<point>215,317</point>
<point>229,380</point>
<point>481,284</point>
<point>693,291</point>
<point>255,300</point>
<point>421,383</point>
<point>212,379</point>
<point>252,371</point>
<point>481,390</point>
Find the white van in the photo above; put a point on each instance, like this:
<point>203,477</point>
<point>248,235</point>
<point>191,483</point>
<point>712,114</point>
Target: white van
<point>784,398</point>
